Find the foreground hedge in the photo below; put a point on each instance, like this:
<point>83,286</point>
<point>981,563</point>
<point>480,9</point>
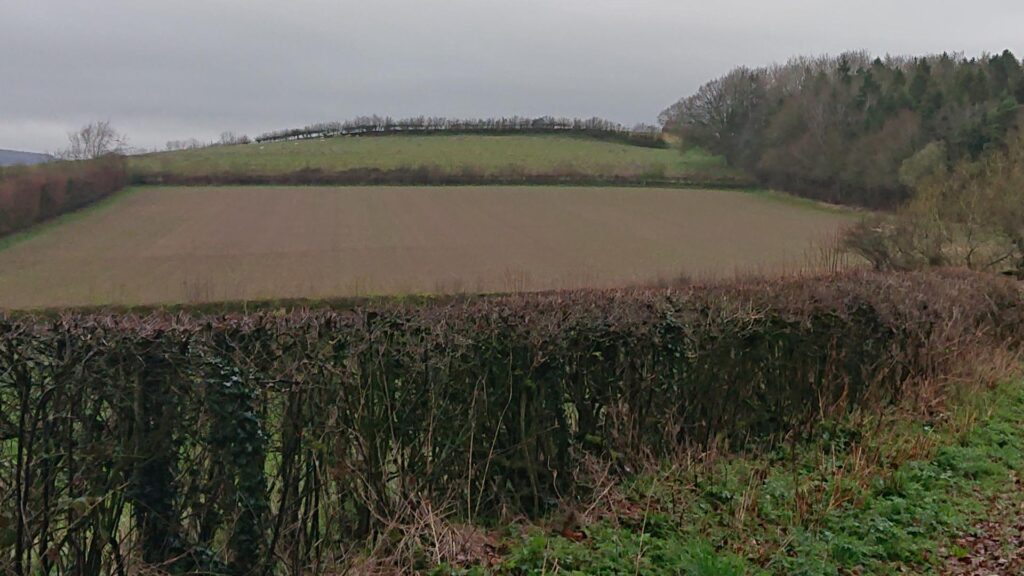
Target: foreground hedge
<point>32,194</point>
<point>248,442</point>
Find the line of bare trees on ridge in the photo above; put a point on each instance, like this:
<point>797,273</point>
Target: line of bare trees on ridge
<point>641,134</point>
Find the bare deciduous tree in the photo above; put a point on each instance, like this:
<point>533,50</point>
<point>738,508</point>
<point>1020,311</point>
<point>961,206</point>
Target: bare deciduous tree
<point>92,141</point>
<point>229,138</point>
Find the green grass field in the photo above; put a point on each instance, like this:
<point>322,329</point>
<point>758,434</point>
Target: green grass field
<point>530,154</point>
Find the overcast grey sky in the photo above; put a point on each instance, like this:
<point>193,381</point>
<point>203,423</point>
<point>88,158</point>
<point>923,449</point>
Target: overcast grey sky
<point>177,69</point>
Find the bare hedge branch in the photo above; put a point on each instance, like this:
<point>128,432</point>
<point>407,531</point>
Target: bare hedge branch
<point>273,442</point>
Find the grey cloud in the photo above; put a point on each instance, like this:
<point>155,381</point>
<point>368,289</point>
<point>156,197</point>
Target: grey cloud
<point>193,68</point>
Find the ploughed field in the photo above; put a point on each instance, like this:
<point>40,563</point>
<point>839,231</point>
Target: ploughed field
<point>158,245</point>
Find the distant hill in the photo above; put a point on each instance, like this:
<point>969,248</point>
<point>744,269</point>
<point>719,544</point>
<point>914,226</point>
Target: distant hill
<point>14,157</point>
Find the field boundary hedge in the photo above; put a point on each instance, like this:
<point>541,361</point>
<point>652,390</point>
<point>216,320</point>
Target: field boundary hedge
<point>645,136</point>
<point>250,443</point>
<point>31,195</point>
<point>433,176</point>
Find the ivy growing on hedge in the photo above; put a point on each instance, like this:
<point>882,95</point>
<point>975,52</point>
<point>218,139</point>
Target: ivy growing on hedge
<point>274,440</point>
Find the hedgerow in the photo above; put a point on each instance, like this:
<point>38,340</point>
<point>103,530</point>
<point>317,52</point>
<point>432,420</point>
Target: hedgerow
<point>438,176</point>
<point>243,443</point>
<point>33,194</point>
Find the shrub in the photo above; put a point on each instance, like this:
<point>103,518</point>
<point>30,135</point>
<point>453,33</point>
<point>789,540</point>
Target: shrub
<point>971,216</point>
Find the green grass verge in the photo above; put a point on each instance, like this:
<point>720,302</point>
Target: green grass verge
<point>540,154</point>
<point>876,496</point>
<point>801,202</point>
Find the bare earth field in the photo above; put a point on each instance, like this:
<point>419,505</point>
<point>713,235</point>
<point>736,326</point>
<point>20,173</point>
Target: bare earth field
<point>182,245</point>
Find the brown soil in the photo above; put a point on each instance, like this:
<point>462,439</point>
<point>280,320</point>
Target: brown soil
<point>179,245</point>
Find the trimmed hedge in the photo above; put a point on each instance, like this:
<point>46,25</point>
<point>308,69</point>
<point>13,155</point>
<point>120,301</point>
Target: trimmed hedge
<point>436,176</point>
<point>33,194</point>
<point>245,443</point>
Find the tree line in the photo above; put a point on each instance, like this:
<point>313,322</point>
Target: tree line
<point>379,125</point>
<point>226,139</point>
<point>849,128</point>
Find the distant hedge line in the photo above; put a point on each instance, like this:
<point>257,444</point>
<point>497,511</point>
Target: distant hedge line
<point>32,194</point>
<point>647,136</point>
<point>274,441</point>
<point>437,176</point>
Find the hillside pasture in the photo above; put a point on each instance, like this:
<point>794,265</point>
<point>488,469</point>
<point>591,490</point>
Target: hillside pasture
<point>163,245</point>
<point>487,156</point>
